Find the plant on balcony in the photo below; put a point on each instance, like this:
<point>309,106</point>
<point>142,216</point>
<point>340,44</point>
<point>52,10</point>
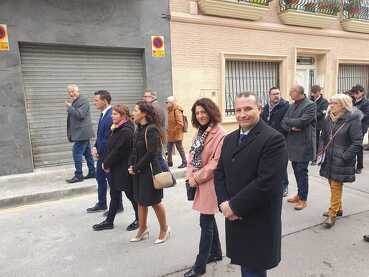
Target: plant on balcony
<point>260,2</point>
<point>353,8</point>
<point>329,7</point>
<point>310,7</point>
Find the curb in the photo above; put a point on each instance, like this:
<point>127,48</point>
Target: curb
<point>33,198</point>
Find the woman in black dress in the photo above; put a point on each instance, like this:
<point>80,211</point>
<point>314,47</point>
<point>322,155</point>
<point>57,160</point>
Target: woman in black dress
<point>119,148</point>
<point>142,160</point>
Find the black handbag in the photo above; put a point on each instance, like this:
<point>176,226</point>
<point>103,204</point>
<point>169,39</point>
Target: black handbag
<point>190,192</point>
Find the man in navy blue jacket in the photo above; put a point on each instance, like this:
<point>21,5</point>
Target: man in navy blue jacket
<point>102,102</point>
<point>273,114</point>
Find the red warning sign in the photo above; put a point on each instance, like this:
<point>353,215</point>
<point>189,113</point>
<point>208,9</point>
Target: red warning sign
<point>4,42</point>
<point>157,45</point>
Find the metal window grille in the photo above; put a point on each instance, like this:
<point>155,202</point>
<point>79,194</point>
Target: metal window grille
<point>254,76</point>
<point>352,74</point>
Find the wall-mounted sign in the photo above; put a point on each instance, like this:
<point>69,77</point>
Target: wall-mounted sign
<point>4,42</point>
<point>157,45</point>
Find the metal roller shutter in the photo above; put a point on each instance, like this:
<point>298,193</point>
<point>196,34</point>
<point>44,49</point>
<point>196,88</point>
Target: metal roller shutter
<point>254,76</point>
<point>48,69</point>
<point>352,74</point>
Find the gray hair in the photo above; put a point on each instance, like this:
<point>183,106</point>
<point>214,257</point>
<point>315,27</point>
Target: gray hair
<point>73,87</point>
<point>153,93</point>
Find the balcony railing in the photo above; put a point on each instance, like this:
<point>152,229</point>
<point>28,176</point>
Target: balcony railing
<point>242,9</point>
<point>356,9</point>
<point>325,7</point>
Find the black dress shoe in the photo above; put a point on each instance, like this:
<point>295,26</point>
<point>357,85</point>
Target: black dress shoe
<point>182,165</point>
<point>192,273</point>
<point>133,226</point>
<point>366,238</point>
<point>120,210</point>
<point>339,213</point>
<point>90,176</point>
<point>358,170</point>
<point>213,259</point>
<point>96,208</point>
<point>74,179</point>
<point>105,225</point>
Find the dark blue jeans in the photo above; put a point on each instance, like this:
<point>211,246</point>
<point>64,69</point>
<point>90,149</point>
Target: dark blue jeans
<point>82,148</point>
<point>247,273</point>
<point>301,174</point>
<point>209,242</point>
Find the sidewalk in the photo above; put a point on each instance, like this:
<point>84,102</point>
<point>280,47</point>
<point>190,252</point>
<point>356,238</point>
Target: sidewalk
<point>49,184</point>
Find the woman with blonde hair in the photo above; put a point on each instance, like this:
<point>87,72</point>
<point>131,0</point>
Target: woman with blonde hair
<point>340,141</point>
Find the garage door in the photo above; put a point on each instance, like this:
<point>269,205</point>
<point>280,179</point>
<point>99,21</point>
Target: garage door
<point>352,74</point>
<point>47,70</point>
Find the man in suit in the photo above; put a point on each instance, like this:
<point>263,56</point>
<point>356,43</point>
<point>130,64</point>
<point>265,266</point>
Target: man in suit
<point>300,124</point>
<point>102,101</point>
<point>248,182</point>
<point>321,110</point>
<point>273,114</point>
<point>79,131</point>
<point>362,104</point>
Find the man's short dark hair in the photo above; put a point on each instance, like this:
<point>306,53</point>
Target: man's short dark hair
<point>247,94</point>
<point>357,88</point>
<point>273,88</point>
<point>299,89</point>
<point>315,88</point>
<point>104,95</point>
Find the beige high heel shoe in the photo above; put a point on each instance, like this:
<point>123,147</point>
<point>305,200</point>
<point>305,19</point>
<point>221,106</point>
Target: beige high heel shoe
<point>166,237</point>
<point>144,235</point>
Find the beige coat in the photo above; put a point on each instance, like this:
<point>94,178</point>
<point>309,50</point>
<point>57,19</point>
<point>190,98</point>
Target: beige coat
<point>175,124</point>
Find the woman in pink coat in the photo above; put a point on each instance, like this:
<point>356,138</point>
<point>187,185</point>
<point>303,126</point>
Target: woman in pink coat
<point>203,160</point>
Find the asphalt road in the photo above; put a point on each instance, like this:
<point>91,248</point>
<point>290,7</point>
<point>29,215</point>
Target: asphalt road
<point>55,239</point>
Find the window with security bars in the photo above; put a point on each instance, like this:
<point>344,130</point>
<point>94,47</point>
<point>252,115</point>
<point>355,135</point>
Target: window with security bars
<point>350,75</point>
<point>253,76</point>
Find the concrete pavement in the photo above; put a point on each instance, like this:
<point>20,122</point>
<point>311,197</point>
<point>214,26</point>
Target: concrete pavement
<point>47,184</point>
<point>56,239</point>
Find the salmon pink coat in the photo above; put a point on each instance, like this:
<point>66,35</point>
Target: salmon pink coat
<point>205,200</point>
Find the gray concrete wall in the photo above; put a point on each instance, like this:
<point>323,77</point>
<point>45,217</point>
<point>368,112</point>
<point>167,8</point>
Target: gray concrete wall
<point>109,23</point>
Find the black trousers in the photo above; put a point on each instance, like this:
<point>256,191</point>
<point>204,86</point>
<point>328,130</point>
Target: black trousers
<point>115,200</point>
<point>360,157</point>
<point>209,242</point>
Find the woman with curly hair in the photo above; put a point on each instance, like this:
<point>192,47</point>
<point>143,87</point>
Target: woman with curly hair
<point>144,163</point>
<point>203,160</point>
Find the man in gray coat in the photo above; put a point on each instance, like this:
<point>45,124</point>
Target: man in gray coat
<point>300,123</point>
<point>79,131</point>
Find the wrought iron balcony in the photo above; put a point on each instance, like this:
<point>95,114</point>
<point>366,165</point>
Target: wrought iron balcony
<point>356,9</point>
<point>310,13</point>
<point>326,7</point>
<point>356,16</point>
<point>242,9</point>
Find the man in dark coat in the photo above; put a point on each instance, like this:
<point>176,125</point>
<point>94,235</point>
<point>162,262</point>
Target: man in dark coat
<point>273,114</point>
<point>79,131</point>
<point>248,186</point>
<point>300,123</point>
<point>361,103</point>
<point>102,101</point>
<point>321,110</point>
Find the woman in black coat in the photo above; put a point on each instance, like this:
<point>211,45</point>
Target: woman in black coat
<point>144,162</point>
<point>341,140</point>
<point>119,148</point>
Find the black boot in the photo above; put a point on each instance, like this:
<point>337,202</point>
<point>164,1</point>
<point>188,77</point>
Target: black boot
<point>105,225</point>
<point>133,226</point>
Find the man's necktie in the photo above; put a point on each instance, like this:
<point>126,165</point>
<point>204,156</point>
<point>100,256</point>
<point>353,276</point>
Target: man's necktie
<point>242,138</point>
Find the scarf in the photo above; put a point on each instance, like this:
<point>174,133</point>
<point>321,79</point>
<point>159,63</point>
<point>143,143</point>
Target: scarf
<point>198,146</point>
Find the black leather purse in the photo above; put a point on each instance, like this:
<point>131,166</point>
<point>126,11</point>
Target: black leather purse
<point>190,192</point>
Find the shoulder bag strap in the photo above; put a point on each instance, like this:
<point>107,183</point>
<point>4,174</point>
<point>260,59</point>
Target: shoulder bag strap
<point>331,139</point>
<point>147,149</point>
